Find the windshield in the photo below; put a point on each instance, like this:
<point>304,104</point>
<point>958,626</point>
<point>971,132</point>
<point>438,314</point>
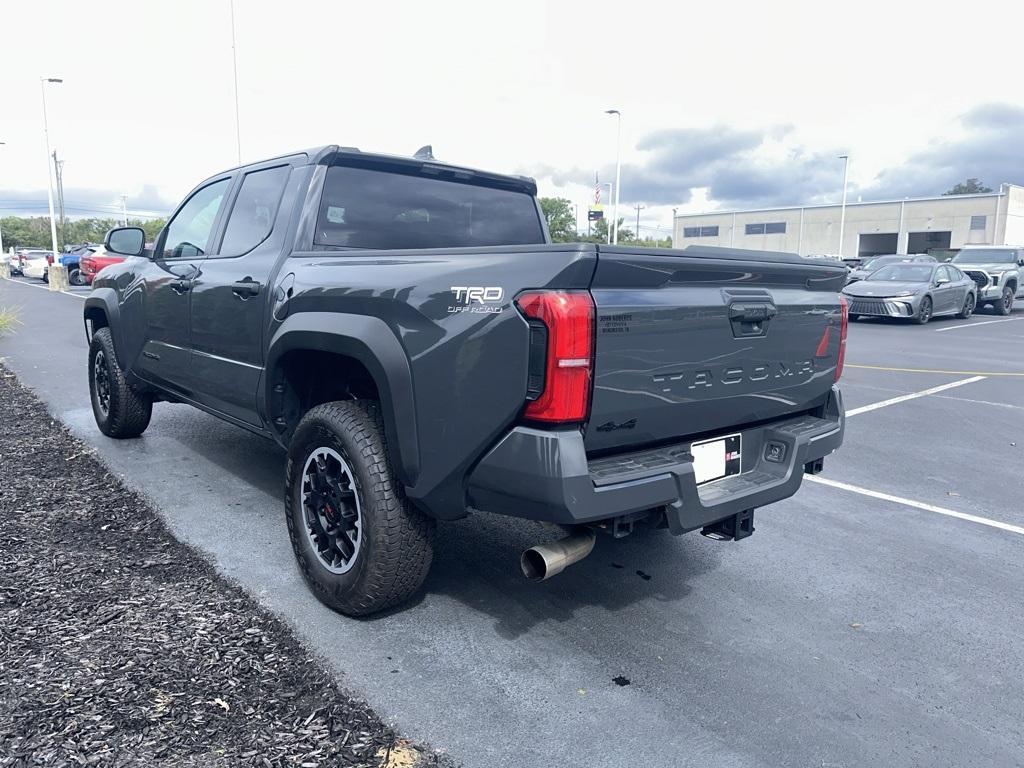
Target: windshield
<point>879,261</point>
<point>987,256</point>
<point>904,273</point>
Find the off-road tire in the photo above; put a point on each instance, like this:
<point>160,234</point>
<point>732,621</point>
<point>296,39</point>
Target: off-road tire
<point>396,547</point>
<point>1005,304</point>
<point>922,316</point>
<point>128,412</point>
<point>968,308</point>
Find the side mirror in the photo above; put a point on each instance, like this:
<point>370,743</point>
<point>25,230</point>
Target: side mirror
<point>1020,262</point>
<point>942,281</point>
<point>125,241</point>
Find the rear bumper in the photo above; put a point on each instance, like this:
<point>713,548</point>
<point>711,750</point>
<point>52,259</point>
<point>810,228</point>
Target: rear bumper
<point>545,475</point>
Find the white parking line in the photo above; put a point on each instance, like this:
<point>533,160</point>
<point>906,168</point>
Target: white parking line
<point>917,505</point>
<point>44,288</point>
<point>974,325</point>
<point>913,395</point>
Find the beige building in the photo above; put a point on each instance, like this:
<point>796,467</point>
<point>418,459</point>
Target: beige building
<point>913,225</point>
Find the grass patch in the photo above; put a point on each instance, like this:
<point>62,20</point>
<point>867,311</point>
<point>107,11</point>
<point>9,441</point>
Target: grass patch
<point>8,319</point>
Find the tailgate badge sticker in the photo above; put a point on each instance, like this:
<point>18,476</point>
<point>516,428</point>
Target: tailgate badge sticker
<point>477,299</point>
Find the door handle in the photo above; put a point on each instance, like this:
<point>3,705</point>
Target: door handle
<point>181,285</point>
<point>246,288</point>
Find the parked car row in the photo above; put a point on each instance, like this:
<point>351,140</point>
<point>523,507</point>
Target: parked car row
<point>82,263</point>
<point>916,287</point>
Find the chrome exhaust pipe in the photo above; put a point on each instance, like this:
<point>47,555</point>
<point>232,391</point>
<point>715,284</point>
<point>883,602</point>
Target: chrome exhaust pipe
<point>546,560</point>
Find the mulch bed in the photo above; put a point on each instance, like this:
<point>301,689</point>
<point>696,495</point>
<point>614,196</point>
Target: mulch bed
<point>119,645</point>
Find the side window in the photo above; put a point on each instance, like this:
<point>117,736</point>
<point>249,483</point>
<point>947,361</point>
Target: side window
<point>252,215</point>
<point>946,274</point>
<point>189,231</point>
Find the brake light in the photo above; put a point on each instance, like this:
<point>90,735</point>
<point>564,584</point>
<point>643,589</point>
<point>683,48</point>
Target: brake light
<point>844,324</point>
<point>568,318</point>
<point>49,259</point>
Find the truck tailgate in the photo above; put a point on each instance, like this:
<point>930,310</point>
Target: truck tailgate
<point>700,341</point>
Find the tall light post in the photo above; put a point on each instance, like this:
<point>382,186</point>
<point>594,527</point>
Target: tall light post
<point>55,271</point>
<point>618,172</point>
<point>234,66</point>
<point>2,144</point>
<point>842,212</point>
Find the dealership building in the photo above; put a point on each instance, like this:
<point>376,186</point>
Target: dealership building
<point>935,225</point>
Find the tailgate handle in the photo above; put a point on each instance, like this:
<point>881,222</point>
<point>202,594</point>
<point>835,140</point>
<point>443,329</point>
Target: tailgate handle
<point>752,312</point>
<point>750,318</point>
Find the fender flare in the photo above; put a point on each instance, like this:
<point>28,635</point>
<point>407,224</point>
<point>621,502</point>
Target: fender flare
<point>105,299</point>
<point>372,342</point>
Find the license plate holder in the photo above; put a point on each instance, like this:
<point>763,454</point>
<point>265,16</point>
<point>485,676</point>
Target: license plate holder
<point>717,458</point>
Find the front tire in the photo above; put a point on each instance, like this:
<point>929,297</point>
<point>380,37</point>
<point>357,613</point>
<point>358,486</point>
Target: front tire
<point>1005,304</point>
<point>968,308</point>
<point>120,411</point>
<point>360,543</point>
<point>75,277</point>
<point>924,312</point>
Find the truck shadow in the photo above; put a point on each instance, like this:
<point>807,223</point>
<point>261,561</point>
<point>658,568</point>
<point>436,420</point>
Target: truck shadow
<point>476,562</point>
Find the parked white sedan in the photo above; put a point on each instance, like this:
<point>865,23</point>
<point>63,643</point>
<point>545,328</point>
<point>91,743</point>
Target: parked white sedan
<point>36,263</point>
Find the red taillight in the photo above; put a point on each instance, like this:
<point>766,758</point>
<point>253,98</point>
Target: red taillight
<point>49,259</point>
<point>844,309</point>
<point>568,317</point>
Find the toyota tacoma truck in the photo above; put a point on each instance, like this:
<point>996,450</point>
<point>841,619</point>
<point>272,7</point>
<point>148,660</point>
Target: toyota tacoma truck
<point>997,270</point>
<point>406,330</point>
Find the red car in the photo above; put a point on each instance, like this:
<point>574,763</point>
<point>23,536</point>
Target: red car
<point>93,262</point>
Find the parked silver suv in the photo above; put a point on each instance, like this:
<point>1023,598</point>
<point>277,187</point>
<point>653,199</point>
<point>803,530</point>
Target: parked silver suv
<point>998,271</point>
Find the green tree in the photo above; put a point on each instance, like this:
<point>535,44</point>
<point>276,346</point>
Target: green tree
<point>599,233</point>
<point>560,217</point>
<point>34,231</point>
<point>969,187</point>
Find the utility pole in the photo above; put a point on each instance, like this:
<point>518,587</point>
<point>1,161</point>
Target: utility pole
<point>58,167</point>
<point>639,208</point>
<point>124,210</point>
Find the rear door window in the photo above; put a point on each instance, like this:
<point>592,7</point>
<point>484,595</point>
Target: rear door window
<point>254,211</point>
<point>369,208</point>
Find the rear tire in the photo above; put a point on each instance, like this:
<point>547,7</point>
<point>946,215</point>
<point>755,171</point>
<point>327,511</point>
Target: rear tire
<point>75,277</point>
<point>924,312</point>
<point>360,543</point>
<point>120,411</point>
<point>968,308</point>
<point>1005,304</point>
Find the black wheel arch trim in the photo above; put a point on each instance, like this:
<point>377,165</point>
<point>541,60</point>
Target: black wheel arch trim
<point>372,342</point>
<point>105,300</point>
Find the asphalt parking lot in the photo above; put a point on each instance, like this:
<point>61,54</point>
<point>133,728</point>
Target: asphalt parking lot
<point>875,618</point>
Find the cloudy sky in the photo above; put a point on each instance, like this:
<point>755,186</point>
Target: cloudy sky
<point>724,105</point>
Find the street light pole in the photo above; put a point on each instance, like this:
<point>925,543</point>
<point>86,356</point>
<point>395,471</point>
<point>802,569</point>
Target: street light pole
<point>2,144</point>
<point>639,208</point>
<point>54,272</point>
<point>234,66</point>
<point>618,172</point>
<point>842,213</point>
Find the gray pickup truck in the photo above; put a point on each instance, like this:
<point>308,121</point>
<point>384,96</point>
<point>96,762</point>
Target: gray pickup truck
<point>997,270</point>
<point>407,331</point>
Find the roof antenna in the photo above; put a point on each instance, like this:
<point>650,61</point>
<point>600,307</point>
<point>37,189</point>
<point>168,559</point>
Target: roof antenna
<point>425,152</point>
